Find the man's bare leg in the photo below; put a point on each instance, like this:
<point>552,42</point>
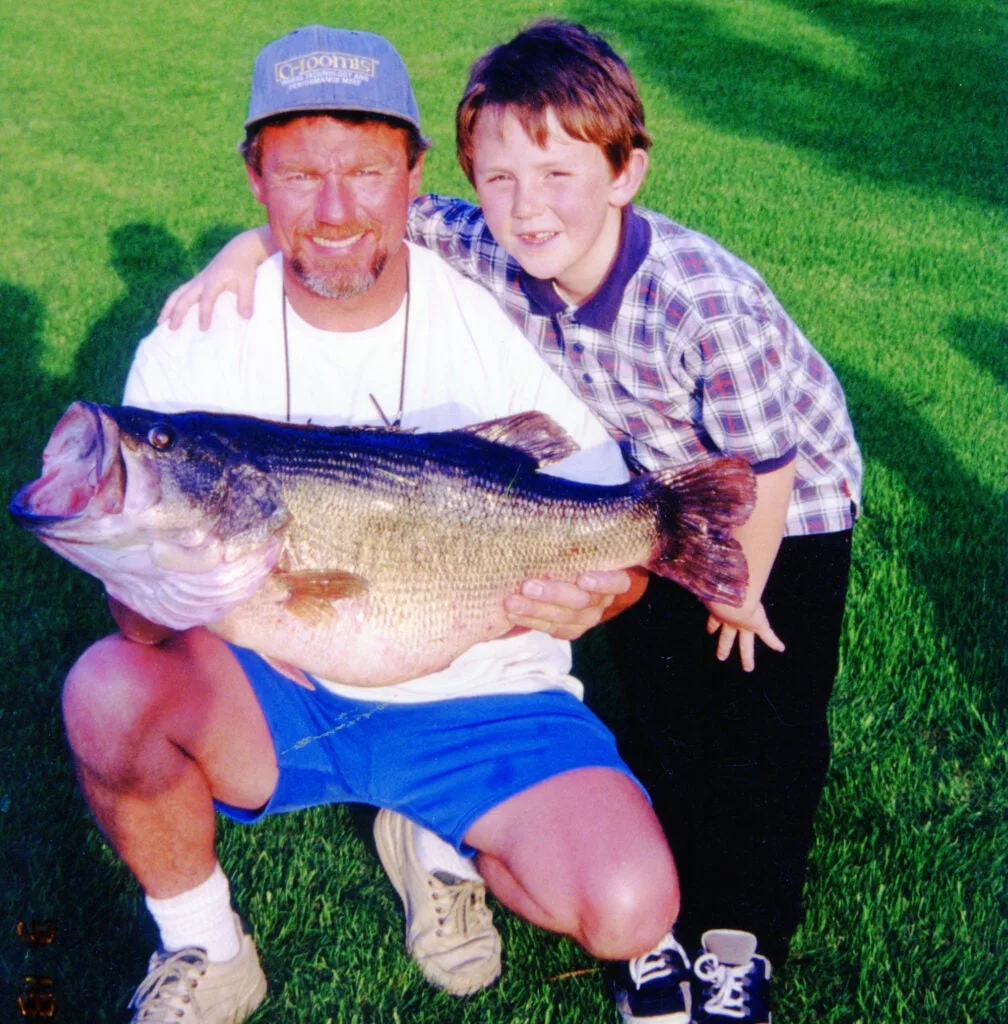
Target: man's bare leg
<point>582,854</point>
<point>156,733</point>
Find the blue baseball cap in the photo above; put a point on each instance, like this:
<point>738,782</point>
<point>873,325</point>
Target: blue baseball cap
<point>317,68</point>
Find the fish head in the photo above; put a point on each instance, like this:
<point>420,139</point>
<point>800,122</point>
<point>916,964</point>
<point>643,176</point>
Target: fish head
<point>122,478</point>
<point>83,478</point>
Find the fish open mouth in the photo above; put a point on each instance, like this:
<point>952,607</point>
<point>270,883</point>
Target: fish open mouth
<point>82,472</point>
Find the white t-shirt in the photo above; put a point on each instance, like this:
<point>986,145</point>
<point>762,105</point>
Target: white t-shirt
<point>466,363</point>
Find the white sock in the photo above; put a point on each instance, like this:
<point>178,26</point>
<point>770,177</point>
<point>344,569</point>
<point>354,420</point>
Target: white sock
<point>200,917</point>
<point>438,856</point>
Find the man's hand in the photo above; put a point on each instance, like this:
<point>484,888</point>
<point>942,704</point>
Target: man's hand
<point>736,623</point>
<point>135,627</point>
<point>567,610</point>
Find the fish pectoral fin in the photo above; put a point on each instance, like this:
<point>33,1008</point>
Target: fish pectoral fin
<point>533,433</point>
<point>311,593</point>
<point>321,585</point>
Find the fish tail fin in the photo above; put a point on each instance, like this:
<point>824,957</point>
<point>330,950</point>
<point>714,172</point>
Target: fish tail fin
<point>697,508</point>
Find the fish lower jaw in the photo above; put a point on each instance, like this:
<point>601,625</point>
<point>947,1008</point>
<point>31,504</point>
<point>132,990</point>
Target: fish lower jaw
<point>179,600</point>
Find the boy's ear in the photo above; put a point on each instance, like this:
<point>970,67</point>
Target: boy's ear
<point>627,183</point>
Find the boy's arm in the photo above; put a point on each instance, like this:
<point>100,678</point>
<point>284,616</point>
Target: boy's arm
<point>741,365</point>
<point>232,269</point>
<point>760,537</point>
<point>457,231</point>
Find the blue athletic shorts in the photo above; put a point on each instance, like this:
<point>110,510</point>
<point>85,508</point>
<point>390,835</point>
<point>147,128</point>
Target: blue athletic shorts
<point>443,764</point>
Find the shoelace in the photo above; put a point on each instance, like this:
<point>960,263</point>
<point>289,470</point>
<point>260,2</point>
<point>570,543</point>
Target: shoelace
<point>459,906</point>
<point>167,989</point>
<point>730,984</point>
<point>658,963</point>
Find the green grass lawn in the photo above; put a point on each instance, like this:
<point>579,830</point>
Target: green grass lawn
<point>855,152</point>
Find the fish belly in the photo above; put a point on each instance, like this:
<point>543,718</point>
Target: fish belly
<point>363,641</point>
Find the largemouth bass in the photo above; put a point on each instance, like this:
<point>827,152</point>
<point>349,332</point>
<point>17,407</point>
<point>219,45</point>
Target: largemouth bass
<point>361,555</point>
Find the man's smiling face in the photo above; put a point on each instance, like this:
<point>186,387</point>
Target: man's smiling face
<point>337,195</point>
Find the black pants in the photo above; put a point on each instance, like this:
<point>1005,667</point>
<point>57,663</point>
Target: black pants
<point>735,762</point>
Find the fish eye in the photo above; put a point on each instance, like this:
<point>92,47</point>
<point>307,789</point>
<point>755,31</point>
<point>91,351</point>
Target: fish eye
<point>161,436</point>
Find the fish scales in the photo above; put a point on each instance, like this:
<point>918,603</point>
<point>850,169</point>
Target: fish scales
<point>463,535</point>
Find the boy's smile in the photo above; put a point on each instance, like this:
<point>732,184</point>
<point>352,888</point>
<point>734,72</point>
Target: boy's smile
<point>557,209</point>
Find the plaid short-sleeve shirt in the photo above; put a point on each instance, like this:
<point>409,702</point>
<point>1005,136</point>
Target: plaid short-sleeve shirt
<point>682,352</point>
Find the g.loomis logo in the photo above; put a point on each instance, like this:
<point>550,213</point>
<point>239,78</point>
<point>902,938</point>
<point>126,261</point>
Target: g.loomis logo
<point>311,68</point>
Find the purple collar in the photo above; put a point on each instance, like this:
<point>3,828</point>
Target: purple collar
<point>601,309</point>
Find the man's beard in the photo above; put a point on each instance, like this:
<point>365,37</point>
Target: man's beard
<point>340,283</point>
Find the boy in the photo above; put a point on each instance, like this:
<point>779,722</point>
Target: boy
<point>681,350</point>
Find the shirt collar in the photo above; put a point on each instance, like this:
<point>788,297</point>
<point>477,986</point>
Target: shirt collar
<point>601,309</point>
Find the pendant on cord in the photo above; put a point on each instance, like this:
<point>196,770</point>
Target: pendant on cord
<point>396,424</point>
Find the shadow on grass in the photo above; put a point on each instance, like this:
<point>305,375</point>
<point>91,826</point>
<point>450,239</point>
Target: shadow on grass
<point>984,343</point>
<point>55,867</point>
<point>916,96</point>
<point>150,263</point>
<point>956,556</point>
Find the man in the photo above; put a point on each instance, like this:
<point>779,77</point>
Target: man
<point>351,325</point>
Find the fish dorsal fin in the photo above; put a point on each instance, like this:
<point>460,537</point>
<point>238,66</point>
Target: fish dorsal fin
<point>311,592</point>
<point>534,433</point>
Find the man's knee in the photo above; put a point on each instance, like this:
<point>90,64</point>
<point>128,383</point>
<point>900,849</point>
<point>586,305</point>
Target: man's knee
<point>631,906</point>
<point>107,703</point>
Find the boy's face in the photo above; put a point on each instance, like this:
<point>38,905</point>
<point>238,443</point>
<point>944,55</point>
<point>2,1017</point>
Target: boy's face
<point>558,209</point>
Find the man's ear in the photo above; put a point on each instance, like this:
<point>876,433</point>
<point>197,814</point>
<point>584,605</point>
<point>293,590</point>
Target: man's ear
<point>627,183</point>
<point>416,177</point>
<point>256,184</point>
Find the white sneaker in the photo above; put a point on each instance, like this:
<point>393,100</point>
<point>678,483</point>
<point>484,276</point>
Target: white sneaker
<point>449,928</point>
<point>733,979</point>
<point>186,988</point>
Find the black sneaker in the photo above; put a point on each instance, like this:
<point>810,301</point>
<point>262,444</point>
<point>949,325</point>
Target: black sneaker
<point>731,982</point>
<point>654,987</point>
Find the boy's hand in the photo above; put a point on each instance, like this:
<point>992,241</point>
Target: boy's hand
<point>736,623</point>
<point>233,269</point>
<point>567,610</point>
<point>205,289</point>
<point>760,537</point>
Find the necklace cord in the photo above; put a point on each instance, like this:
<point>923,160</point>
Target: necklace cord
<point>396,423</point>
<point>283,296</point>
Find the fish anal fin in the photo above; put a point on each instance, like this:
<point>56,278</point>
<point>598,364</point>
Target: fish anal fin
<point>534,433</point>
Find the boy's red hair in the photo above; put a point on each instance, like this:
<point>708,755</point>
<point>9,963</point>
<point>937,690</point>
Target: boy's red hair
<point>556,66</point>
